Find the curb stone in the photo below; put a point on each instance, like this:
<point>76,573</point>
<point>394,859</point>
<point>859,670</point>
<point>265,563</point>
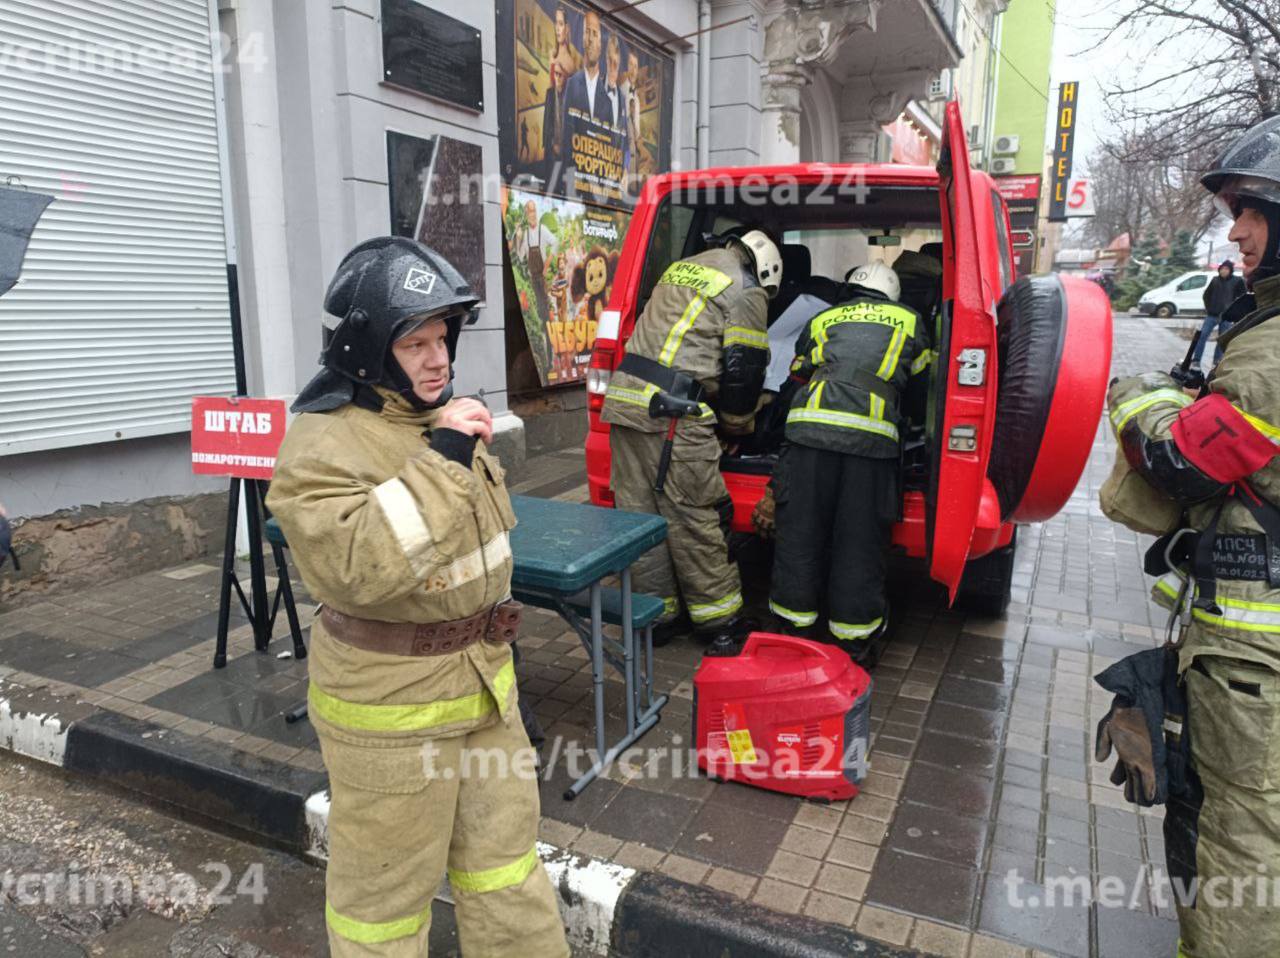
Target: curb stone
<point>608,909</point>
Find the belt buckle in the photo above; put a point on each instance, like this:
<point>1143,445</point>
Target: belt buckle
<point>497,628</point>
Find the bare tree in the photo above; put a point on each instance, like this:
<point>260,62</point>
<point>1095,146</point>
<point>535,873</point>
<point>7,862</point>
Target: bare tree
<point>1141,196</point>
<point>1230,80</point>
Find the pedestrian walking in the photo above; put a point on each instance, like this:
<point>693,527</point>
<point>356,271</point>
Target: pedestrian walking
<point>1223,290</point>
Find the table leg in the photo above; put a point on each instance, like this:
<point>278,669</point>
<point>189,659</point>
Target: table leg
<point>629,650</point>
<point>597,668</point>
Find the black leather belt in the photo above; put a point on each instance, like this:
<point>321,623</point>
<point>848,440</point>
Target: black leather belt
<point>1239,556</point>
<point>672,381</point>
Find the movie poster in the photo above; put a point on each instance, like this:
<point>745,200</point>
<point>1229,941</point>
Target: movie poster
<point>436,198</point>
<point>563,258</point>
<point>585,107</point>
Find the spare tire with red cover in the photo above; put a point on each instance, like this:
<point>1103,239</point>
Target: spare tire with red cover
<point>1054,341</point>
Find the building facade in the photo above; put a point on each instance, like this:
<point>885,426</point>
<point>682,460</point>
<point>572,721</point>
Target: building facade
<point>273,135</point>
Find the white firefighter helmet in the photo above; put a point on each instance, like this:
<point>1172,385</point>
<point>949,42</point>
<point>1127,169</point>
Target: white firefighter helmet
<point>765,256</point>
<point>875,276</point>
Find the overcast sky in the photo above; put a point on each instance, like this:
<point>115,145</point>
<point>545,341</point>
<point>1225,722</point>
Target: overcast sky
<point>1079,27</point>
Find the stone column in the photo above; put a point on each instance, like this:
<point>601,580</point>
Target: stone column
<point>801,36</point>
<point>867,104</point>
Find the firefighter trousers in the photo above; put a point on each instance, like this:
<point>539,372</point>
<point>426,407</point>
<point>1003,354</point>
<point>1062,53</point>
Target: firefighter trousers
<point>402,815</point>
<point>833,513</point>
<point>1223,841</point>
<point>693,564</point>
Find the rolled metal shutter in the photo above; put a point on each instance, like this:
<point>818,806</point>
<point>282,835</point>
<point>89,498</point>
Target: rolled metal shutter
<point>121,314</point>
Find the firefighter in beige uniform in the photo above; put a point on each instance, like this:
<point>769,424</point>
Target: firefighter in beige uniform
<point>1209,465</point>
<point>398,520</point>
<point>703,336</point>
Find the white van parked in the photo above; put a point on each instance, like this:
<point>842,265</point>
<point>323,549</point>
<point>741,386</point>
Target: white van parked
<point>1182,295</point>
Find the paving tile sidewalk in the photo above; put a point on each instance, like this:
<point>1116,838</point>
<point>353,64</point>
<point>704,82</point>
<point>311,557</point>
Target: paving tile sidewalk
<point>982,800</point>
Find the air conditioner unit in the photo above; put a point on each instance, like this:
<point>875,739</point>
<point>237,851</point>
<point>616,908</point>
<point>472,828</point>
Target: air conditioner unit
<point>1001,165</point>
<point>1005,144</point>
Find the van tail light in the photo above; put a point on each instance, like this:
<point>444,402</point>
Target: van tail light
<point>603,359</point>
<point>598,375</point>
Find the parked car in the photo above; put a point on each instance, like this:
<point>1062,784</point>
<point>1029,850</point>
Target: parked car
<point>1182,295</point>
<point>1014,402</point>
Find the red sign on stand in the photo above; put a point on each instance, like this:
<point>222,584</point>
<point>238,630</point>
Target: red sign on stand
<point>236,437</point>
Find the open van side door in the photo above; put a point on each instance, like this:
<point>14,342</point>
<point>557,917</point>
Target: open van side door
<point>965,391</point>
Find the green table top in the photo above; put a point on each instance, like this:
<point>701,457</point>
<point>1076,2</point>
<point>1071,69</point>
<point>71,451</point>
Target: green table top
<point>565,546</point>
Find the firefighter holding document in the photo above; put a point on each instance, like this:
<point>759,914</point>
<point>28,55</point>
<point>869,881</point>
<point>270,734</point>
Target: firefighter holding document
<point>398,520</point>
<point>702,337</point>
<point>835,487</point>
<point>1203,475</point>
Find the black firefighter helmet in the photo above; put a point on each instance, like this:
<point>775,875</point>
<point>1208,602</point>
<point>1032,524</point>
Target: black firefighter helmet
<point>1247,175</point>
<point>384,289</point>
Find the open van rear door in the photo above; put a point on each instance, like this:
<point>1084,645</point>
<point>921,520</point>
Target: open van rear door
<point>965,396</point>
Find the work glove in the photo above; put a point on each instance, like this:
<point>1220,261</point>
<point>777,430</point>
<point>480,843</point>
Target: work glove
<point>1125,729</point>
<point>762,517</point>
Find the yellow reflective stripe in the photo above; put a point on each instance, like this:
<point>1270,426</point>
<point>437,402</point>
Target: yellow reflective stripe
<point>844,420</point>
<point>801,619</point>
<point>745,336</point>
<point>676,335</point>
<point>714,610</point>
<point>641,397</point>
<point>704,280</point>
<point>881,314</point>
<point>844,630</point>
<point>495,879</point>
<point>923,361</point>
<point>889,365</point>
<point>1121,415</point>
<point>406,522</point>
<point>1264,427</point>
<point>875,406</point>
<point>411,718</point>
<point>1241,614</point>
<point>670,604</point>
<point>815,394</point>
<point>375,932</point>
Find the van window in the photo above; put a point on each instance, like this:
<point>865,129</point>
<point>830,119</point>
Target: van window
<point>1002,241</point>
<point>666,245</point>
<point>1193,282</point>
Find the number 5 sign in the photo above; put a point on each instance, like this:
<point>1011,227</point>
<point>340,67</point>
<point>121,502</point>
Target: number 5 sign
<point>1080,197</point>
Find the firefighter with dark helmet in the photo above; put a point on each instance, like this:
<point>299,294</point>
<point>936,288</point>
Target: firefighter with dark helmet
<point>398,521</point>
<point>1203,472</point>
<point>702,337</point>
<point>835,487</point>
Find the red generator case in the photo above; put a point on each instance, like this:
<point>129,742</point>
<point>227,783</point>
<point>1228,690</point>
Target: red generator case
<point>785,714</point>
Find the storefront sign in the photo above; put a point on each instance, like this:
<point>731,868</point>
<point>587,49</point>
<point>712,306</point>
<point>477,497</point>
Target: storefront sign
<point>428,52</point>
<point>236,437</point>
<point>1016,188</point>
<point>1080,197</point>
<point>563,257</point>
<point>584,107</point>
<point>1064,131</point>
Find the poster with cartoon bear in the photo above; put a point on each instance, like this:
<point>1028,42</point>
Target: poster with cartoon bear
<point>563,258</point>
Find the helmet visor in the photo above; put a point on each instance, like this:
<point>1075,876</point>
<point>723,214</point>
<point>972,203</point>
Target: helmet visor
<point>1235,189</point>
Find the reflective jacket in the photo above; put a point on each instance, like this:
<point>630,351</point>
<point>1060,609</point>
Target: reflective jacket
<point>707,317</point>
<point>1144,411</point>
<point>382,527</point>
<point>855,360</point>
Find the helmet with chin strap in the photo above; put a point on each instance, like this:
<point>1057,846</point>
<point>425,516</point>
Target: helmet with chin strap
<point>1247,176</point>
<point>384,289</point>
